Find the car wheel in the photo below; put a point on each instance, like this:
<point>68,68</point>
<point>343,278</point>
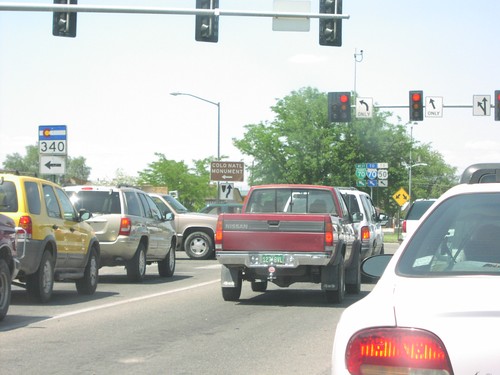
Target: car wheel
<point>5,286</point>
<point>199,245</point>
<point>337,296</point>
<point>259,286</point>
<point>88,284</point>
<point>166,267</point>
<point>136,267</point>
<point>41,283</point>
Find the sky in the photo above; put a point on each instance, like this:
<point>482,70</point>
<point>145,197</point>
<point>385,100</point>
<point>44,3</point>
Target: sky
<point>111,84</point>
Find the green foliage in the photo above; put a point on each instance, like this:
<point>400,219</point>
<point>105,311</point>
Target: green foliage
<point>193,185</point>
<point>301,146</point>
<point>76,168</point>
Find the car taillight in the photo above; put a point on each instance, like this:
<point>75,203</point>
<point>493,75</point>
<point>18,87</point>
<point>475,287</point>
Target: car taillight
<point>26,223</point>
<point>328,233</point>
<point>403,228</point>
<point>218,231</point>
<point>365,233</point>
<point>125,226</point>
<point>401,351</point>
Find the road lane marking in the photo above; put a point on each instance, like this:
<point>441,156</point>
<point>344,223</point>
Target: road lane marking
<point>130,300</point>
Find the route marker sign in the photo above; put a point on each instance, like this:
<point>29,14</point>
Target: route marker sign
<point>52,140</point>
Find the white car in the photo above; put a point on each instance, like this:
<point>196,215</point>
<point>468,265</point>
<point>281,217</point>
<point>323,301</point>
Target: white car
<point>436,309</point>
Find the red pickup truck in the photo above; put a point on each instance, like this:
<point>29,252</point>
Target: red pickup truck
<point>289,233</point>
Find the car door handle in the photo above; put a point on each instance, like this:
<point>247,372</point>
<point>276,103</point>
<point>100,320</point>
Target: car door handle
<point>71,229</point>
<point>55,227</point>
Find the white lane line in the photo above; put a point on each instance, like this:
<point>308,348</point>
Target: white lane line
<point>130,300</point>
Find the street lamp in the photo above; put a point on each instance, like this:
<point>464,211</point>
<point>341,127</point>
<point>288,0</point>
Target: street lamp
<point>409,174</point>
<point>358,57</point>
<point>218,115</point>
<point>218,126</point>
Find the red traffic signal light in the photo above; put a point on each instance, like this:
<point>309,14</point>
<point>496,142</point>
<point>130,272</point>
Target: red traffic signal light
<point>416,106</point>
<point>339,106</point>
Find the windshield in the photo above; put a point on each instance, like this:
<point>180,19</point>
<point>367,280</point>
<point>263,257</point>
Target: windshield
<point>461,236</point>
<point>175,203</point>
<point>418,208</point>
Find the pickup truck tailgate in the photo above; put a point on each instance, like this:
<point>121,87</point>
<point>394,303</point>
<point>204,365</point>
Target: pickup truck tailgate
<point>273,232</point>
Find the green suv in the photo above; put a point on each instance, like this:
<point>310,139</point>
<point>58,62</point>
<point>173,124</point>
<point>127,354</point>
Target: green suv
<point>59,245</point>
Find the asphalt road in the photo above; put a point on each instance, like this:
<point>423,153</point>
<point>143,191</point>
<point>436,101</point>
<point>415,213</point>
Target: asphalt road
<point>171,326</point>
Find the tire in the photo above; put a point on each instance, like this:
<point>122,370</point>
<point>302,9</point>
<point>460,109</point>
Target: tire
<point>5,288</point>
<point>166,267</point>
<point>337,296</point>
<point>259,286</point>
<point>199,245</point>
<point>41,283</point>
<point>136,267</point>
<point>88,284</point>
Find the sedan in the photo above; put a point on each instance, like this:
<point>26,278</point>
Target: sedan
<point>435,309</point>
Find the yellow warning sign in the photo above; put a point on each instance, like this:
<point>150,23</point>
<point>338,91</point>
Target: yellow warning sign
<point>401,196</point>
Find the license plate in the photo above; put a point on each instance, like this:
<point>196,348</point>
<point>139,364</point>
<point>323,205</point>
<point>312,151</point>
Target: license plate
<point>273,259</point>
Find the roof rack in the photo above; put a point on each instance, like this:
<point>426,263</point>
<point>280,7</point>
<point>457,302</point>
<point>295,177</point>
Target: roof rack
<point>18,173</point>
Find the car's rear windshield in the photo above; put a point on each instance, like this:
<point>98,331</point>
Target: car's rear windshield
<point>97,202</point>
<point>417,209</point>
<point>460,236</point>
<point>284,200</point>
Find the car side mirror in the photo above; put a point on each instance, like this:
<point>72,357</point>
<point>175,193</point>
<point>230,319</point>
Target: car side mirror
<point>84,214</point>
<point>373,267</point>
<point>169,216</point>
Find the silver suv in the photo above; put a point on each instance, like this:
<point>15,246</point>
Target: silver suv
<point>130,228</point>
<point>367,221</point>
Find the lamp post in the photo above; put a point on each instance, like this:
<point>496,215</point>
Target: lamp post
<point>411,165</point>
<point>218,124</point>
<point>358,57</point>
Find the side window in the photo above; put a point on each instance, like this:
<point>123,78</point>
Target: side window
<point>152,207</point>
<point>133,204</point>
<point>51,204</point>
<point>369,207</point>
<point>68,209</point>
<point>8,197</point>
<point>343,206</point>
<point>33,195</point>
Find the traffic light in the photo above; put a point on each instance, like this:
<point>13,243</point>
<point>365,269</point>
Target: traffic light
<point>497,105</point>
<point>207,27</point>
<point>330,30</point>
<point>416,105</point>
<point>64,23</point>
<point>339,106</point>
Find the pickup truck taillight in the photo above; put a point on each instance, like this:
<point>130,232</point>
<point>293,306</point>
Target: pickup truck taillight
<point>404,226</point>
<point>328,233</point>
<point>26,223</point>
<point>125,226</point>
<point>396,350</point>
<point>218,231</point>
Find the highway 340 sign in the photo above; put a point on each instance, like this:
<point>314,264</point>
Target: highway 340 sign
<point>53,149</point>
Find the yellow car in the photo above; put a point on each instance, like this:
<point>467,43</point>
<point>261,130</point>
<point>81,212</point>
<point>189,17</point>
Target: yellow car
<point>59,244</point>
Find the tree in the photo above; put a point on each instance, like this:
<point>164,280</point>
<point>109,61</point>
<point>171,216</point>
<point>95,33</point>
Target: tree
<point>193,185</point>
<point>76,168</point>
<point>301,146</point>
